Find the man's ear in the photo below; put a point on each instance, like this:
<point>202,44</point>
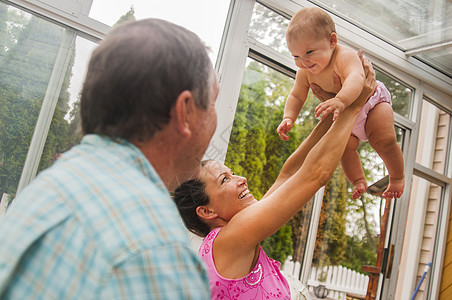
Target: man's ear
<point>333,39</point>
<point>184,112</point>
<point>205,213</point>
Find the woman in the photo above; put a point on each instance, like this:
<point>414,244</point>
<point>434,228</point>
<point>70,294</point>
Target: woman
<point>219,207</point>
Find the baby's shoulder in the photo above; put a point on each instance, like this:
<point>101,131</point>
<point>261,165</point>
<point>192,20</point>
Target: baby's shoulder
<point>302,76</point>
<point>343,50</point>
<point>346,57</point>
<point>345,53</point>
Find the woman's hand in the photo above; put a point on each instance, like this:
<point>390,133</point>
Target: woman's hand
<point>369,87</point>
<point>321,94</point>
<point>370,83</point>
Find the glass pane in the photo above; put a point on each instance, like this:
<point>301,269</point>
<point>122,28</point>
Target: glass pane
<point>65,129</point>
<point>269,28</point>
<point>397,20</point>
<point>205,18</point>
<point>401,94</point>
<point>299,224</point>
<point>406,24</point>
<point>433,138</point>
<point>349,229</point>
<point>440,59</point>
<point>28,49</point>
<point>256,152</point>
<point>423,191</point>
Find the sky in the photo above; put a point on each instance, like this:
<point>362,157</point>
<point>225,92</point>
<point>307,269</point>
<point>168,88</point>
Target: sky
<point>206,18</point>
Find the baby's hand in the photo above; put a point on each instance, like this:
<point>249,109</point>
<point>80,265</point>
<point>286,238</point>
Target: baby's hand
<point>333,105</point>
<point>284,128</point>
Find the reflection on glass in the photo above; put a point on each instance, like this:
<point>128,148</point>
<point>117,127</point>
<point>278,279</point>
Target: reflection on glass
<point>28,49</point>
<point>269,28</point>
<point>397,20</point>
<point>434,137</point>
<point>441,58</point>
<point>65,129</point>
<point>407,24</point>
<point>400,93</point>
<point>300,226</point>
<point>426,193</point>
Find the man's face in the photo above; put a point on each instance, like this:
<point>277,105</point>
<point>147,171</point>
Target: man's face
<point>202,129</point>
<point>206,125</point>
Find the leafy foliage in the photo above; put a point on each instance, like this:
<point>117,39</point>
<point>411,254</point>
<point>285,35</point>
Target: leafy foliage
<point>255,151</point>
<point>279,246</point>
<point>359,252</point>
<point>127,17</point>
<point>26,66</point>
<point>400,94</point>
<point>331,243</point>
<point>28,50</point>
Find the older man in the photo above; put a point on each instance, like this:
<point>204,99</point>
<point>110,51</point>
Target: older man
<point>100,223</point>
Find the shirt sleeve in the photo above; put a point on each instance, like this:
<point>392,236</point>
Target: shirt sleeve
<point>168,272</point>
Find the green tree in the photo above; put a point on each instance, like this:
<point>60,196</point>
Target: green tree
<point>28,50</point>
<point>359,252</point>
<point>255,142</point>
<point>276,150</point>
<point>234,154</point>
<point>255,150</point>
<point>246,146</point>
<point>300,225</point>
<point>269,27</point>
<point>127,17</point>
<point>279,245</point>
<point>26,73</point>
<point>25,70</point>
<point>336,194</point>
<point>400,94</point>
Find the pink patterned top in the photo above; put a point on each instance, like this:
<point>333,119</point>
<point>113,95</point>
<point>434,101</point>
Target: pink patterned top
<point>265,281</point>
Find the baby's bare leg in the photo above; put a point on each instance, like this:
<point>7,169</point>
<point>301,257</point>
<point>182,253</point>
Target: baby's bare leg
<point>351,164</point>
<point>382,137</point>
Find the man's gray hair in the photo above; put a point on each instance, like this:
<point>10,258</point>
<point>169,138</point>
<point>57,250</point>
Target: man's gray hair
<point>136,74</point>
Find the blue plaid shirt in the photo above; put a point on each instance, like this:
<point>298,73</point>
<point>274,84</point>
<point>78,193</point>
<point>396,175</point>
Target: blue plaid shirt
<point>99,224</point>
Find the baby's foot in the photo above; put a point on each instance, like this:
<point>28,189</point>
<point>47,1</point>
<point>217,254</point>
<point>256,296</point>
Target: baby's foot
<point>359,187</point>
<point>395,188</point>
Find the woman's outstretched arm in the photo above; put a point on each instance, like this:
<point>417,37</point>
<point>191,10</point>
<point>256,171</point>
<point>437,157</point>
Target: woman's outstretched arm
<point>315,161</point>
<point>296,159</point>
<point>294,162</point>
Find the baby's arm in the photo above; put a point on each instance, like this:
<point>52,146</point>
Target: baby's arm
<point>350,68</point>
<point>294,103</point>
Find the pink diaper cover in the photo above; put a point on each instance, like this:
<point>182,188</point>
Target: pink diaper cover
<point>380,95</point>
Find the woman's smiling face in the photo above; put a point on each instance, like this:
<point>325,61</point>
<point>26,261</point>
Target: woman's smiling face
<point>228,193</point>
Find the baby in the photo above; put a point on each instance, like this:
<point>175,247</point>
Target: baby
<point>312,40</point>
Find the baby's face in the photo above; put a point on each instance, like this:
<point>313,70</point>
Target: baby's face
<point>312,53</point>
